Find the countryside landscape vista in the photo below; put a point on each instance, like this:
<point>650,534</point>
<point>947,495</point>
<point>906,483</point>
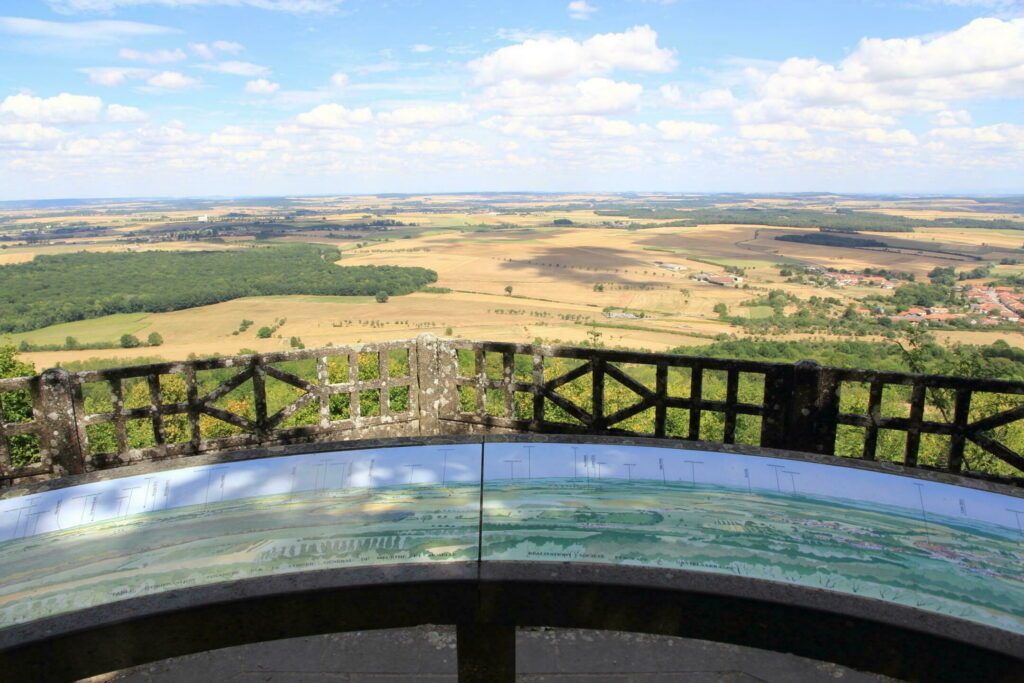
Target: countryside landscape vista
<point>195,178</point>
<point>701,323</point>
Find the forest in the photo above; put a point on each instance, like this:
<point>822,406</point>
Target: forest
<point>843,220</point>
<point>68,287</point>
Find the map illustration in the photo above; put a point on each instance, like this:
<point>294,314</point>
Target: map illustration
<point>948,549</point>
<point>955,550</point>
<point>97,543</point>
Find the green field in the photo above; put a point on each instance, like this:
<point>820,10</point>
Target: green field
<point>109,328</point>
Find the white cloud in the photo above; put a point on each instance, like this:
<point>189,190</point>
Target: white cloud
<point>173,80</point>
<point>719,98</point>
<point>686,130</point>
<point>590,96</point>
<point>82,31</point>
<point>154,57</point>
<point>881,136</point>
<point>235,68</point>
<point>235,136</point>
<point>774,131</point>
<point>427,115</point>
<point>261,86</point>
<point>339,80</point>
<point>422,47</point>
<point>228,46</point>
<point>295,6</point>
<point>1004,135</point>
<point>27,134</point>
<point>446,148</point>
<point>209,51</point>
<point>580,9</point>
<point>984,58</point>
<point>334,116</point>
<point>119,113</point>
<point>951,118</point>
<point>63,108</point>
<point>549,60</point>
<point>112,76</point>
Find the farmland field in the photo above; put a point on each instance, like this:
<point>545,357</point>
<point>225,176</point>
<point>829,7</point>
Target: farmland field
<point>559,268</point>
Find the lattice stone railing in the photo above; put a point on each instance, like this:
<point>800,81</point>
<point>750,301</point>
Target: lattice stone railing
<point>63,423</point>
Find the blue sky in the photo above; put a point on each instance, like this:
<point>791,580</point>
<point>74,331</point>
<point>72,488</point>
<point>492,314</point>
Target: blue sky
<point>245,97</point>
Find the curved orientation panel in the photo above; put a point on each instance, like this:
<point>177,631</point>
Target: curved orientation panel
<point>499,522</point>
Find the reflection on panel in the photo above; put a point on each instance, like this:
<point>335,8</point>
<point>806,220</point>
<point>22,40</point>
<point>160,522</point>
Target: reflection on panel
<point>947,549</point>
<point>96,543</point>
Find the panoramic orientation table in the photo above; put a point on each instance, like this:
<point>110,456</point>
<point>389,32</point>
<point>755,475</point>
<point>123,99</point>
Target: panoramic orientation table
<point>860,564</point>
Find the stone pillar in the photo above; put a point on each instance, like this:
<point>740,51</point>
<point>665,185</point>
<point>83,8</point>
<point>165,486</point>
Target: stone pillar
<point>436,370</point>
<point>58,435</point>
<point>813,410</point>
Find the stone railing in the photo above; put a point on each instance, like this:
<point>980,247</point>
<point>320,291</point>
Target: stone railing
<point>99,419</point>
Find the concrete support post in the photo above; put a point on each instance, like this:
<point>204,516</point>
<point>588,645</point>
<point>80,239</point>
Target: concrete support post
<point>486,653</point>
<point>59,434</point>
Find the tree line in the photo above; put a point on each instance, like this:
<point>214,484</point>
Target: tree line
<point>68,287</point>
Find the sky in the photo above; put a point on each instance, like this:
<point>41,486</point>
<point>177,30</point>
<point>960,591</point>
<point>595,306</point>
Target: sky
<point>155,98</point>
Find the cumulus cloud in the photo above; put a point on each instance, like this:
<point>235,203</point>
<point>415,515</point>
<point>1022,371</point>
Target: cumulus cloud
<point>880,136</point>
<point>580,9</point>
<point>951,118</point>
<point>119,113</point>
<point>209,51</point>
<point>430,115</point>
<point>448,148</point>
<point>261,86</point>
<point>550,60</point>
<point>686,130</point>
<point>27,134</point>
<point>154,57</point>
<point>774,131</point>
<point>334,116</point>
<point>983,58</point>
<point>63,108</point>
<point>236,68</point>
<point>590,96</point>
<point>112,76</point>
<point>339,80</point>
<point>172,80</point>
<point>718,98</point>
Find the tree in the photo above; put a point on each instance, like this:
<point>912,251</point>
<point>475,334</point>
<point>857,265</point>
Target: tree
<point>154,339</point>
<point>130,341</point>
<point>721,309</point>
<point>264,332</point>
<point>599,287</point>
<point>382,297</point>
<point>508,289</point>
<point>16,406</point>
<point>70,343</point>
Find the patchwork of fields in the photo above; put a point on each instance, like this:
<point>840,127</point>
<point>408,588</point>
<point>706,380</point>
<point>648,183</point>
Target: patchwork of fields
<point>520,268</point>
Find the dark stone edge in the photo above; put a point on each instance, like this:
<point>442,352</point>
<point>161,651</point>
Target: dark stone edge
<point>862,633</point>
